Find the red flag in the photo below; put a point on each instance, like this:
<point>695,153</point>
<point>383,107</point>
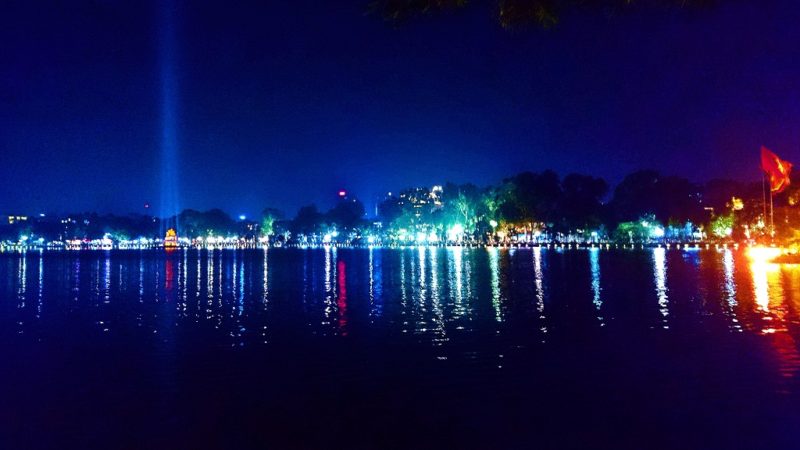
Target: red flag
<point>777,169</point>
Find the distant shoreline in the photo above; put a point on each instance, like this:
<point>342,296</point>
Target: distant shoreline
<point>605,246</point>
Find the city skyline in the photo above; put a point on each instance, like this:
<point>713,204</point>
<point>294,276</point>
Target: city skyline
<point>371,205</point>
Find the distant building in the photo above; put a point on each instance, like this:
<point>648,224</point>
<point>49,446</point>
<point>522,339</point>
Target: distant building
<point>420,198</point>
<point>15,219</point>
<point>436,195</point>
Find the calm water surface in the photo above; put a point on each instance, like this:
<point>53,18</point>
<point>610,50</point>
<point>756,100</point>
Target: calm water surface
<point>415,348</point>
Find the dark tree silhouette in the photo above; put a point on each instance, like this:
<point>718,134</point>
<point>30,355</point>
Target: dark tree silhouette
<point>307,220</point>
<point>666,197</point>
<point>531,196</point>
<point>347,214</point>
<point>520,13</point>
<point>717,194</point>
<point>214,221</point>
<point>581,204</point>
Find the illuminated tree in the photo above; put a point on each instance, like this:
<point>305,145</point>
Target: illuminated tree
<point>268,218</point>
<point>722,226</point>
<point>462,205</point>
<point>644,229</point>
<point>490,204</point>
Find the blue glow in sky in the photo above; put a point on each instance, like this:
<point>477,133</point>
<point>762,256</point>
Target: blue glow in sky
<point>280,104</point>
<point>169,205</point>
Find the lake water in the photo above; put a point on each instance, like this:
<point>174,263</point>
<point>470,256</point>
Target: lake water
<point>411,348</point>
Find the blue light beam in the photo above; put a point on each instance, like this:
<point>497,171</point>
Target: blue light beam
<point>169,206</point>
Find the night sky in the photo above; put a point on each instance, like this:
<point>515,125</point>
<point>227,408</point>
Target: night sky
<point>283,105</point>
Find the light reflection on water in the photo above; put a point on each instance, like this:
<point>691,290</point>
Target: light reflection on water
<point>660,276</point>
<point>473,303</point>
<point>538,279</point>
<point>761,271</point>
<point>594,260</point>
<point>494,267</point>
<point>775,295</point>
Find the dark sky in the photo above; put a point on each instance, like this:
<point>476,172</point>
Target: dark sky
<point>283,104</point>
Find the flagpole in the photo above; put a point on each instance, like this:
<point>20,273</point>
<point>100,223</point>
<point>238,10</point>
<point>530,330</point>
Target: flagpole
<point>779,178</point>
<point>764,196</point>
<point>771,215</point>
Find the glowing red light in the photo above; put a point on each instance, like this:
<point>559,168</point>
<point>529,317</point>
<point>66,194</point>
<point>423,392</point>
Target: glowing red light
<point>342,193</point>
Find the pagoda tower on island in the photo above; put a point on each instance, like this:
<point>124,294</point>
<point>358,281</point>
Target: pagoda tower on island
<point>171,239</point>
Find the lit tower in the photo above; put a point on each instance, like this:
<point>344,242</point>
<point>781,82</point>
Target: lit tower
<point>171,239</point>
